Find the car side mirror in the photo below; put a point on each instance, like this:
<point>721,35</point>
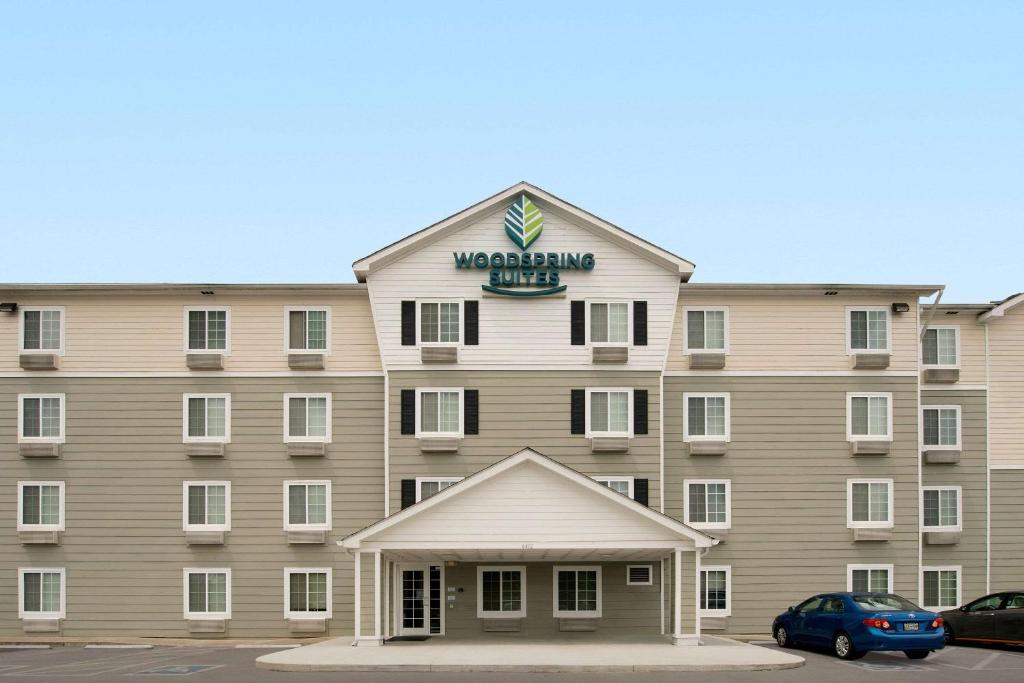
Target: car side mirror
<point>791,609</point>
<point>964,608</point>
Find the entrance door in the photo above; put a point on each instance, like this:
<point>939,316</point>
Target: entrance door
<point>412,611</point>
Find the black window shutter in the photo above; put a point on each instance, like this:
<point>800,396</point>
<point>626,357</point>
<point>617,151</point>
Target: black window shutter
<point>578,412</point>
<point>471,411</point>
<point>639,411</point>
<point>639,323</point>
<point>640,491</point>
<point>408,411</point>
<point>472,311</point>
<point>408,492</point>
<point>578,322</point>
<point>408,323</point>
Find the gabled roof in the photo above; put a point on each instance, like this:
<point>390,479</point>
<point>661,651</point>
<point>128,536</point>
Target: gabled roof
<point>584,219</point>
<point>1002,307</point>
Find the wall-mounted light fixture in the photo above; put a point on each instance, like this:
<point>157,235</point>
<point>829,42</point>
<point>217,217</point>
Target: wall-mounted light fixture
<point>8,308</point>
<point>900,308</point>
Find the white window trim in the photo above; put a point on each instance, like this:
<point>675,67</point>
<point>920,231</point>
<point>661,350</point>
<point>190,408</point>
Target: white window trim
<point>687,437</point>
<point>326,526</point>
<point>956,331</point>
<point>490,614</point>
<point>850,568</point>
<point>433,480</point>
<point>326,438</point>
<point>21,420</point>
<point>728,592</point>
<point>59,351</point>
<point>226,351</point>
<point>959,586</point>
<point>59,526</point>
<point>419,321</point>
<point>590,433</point>
<point>288,614</point>
<point>575,614</point>
<point>728,504</point>
<point>22,614</point>
<point>207,616</point>
<point>850,395</point>
<point>629,322</point>
<point>849,330</point>
<point>650,575</point>
<point>959,508</point>
<point>462,410</point>
<point>686,329</point>
<point>185,438</point>
<point>850,524</point>
<point>959,428</point>
<point>287,329</point>
<point>604,479</point>
<point>226,526</point>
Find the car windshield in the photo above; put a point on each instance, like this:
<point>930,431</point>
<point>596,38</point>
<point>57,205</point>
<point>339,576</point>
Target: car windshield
<point>885,603</point>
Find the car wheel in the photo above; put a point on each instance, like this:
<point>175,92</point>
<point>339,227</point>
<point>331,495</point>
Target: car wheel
<point>782,637</point>
<point>916,654</point>
<point>842,646</point>
<point>949,637</point>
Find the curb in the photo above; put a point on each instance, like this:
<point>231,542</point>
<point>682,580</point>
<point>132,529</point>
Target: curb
<point>524,668</point>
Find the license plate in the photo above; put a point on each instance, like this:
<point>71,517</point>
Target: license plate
<point>912,626</point>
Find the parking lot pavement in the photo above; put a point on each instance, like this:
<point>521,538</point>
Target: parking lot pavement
<point>232,665</point>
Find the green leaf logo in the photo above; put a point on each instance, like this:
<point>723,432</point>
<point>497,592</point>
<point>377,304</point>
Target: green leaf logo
<point>523,222</point>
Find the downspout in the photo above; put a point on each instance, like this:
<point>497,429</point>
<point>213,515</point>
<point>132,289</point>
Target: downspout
<point>988,470</point>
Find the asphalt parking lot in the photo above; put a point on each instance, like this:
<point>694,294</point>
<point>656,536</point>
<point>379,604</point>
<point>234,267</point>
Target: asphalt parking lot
<point>234,665</point>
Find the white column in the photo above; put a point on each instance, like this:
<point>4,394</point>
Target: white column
<point>696,604</point>
<point>661,583</point>
<point>387,599</point>
<point>357,597</point>
<point>677,595</point>
<point>376,596</point>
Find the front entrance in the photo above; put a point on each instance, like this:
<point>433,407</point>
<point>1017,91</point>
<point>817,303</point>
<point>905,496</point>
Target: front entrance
<point>419,607</point>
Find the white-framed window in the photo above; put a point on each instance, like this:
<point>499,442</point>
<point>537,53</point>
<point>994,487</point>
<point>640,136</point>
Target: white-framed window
<point>706,329</point>
<point>869,578</point>
<point>41,418</point>
<point>501,592</point>
<point>706,417</point>
<point>40,506</point>
<point>639,575</point>
<point>610,323</point>
<point>440,322</point>
<point>41,593</point>
<point>307,417</point>
<point>206,418</point>
<point>940,427</point>
<point>207,329</point>
<point>308,593</point>
<point>439,412</point>
<point>941,508</point>
<point>307,505</point>
<point>707,503</point>
<point>869,503</point>
<point>42,330</point>
<point>940,347</point>
<point>428,486</point>
<point>206,505</point>
<point>623,485</point>
<point>207,593</point>
<point>868,329</point>
<point>716,591</point>
<point>940,587</point>
<point>869,416</point>
<point>609,412</point>
<point>307,329</point>
<point>577,592</point>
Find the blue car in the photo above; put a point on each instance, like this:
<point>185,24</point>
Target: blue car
<point>853,624</point>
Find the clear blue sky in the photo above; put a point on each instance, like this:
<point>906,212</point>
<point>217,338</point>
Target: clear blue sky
<point>248,141</point>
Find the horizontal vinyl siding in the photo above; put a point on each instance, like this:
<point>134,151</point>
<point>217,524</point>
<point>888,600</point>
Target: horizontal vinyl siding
<point>1006,358</point>
<point>1007,526</point>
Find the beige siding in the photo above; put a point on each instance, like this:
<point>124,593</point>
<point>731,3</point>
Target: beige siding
<point>1006,425</point>
<point>1007,526</point>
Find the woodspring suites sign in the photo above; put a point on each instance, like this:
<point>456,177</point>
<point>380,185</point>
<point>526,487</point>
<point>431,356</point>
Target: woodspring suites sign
<point>526,273</point>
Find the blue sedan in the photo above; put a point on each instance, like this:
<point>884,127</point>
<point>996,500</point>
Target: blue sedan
<point>853,624</point>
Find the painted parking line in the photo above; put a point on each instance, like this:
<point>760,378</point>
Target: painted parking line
<point>101,646</point>
<point>177,670</point>
<point>107,665</point>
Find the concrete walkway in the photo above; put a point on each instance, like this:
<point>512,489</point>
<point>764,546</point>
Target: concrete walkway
<point>518,655</point>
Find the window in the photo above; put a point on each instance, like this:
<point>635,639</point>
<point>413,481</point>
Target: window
<point>41,418</point>
<point>41,593</point>
<point>706,417</point>
<point>426,487</point>
<point>42,330</point>
<point>207,505</point>
<point>639,575</point>
<point>623,485</point>
<point>610,413</point>
<point>869,578</point>
<point>869,503</point>
<point>577,592</point>
<point>609,323</point>
<point>207,417</point>
<point>440,412</point>
<point>808,606</point>
<point>940,587</point>
<point>501,592</point>
<point>987,603</point>
<point>207,593</point>
<point>307,593</point>
<point>869,417</point>
<point>715,589</point>
<point>707,503</point>
<point>41,505</point>
<point>940,508</point>
<point>940,426</point>
<point>307,329</point>
<point>868,330</point>
<point>440,322</point>
<point>941,347</point>
<point>307,417</point>
<point>707,330</point>
<point>207,330</point>
<point>307,505</point>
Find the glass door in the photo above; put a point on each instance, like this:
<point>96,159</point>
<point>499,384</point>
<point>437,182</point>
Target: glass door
<point>413,607</point>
